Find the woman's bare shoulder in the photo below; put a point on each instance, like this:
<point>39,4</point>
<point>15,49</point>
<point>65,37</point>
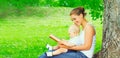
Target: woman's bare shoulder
<point>90,28</point>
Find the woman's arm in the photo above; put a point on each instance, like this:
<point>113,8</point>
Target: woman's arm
<point>89,33</point>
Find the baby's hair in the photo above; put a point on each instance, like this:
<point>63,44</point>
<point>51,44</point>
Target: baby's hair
<point>74,28</point>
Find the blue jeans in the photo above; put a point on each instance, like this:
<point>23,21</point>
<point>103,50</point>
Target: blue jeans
<point>69,54</point>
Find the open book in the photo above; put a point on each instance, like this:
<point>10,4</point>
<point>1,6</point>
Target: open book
<point>58,40</point>
<point>54,38</point>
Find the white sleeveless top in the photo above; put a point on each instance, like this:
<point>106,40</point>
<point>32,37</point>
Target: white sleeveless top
<point>80,40</point>
<point>88,53</point>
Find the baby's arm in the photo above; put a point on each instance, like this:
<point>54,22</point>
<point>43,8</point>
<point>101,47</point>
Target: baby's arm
<point>59,51</point>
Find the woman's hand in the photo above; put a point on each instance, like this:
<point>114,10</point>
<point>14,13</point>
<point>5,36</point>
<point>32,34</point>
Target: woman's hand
<point>63,46</point>
<point>62,42</point>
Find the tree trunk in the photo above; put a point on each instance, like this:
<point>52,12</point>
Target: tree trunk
<point>111,30</point>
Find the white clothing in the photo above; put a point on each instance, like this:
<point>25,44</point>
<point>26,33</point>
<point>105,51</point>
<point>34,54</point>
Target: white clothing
<point>80,40</point>
<point>75,40</point>
<point>88,53</point>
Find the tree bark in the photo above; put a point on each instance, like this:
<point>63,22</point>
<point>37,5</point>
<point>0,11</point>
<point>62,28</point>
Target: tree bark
<point>111,30</point>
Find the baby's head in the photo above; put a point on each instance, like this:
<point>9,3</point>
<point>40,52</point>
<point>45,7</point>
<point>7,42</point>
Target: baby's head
<point>73,30</point>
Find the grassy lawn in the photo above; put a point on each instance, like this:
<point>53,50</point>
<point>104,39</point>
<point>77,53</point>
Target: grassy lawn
<point>26,36</point>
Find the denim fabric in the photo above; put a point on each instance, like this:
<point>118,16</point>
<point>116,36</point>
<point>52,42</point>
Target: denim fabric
<point>69,54</point>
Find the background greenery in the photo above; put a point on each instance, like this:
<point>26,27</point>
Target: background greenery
<point>25,25</point>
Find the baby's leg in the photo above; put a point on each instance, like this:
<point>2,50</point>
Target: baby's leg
<point>55,47</point>
<point>59,51</point>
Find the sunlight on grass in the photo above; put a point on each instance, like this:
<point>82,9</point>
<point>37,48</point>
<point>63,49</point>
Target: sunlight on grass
<point>26,37</point>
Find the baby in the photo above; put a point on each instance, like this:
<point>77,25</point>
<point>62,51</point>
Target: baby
<point>74,31</point>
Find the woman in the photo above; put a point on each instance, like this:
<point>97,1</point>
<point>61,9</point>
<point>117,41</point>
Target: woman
<point>87,37</point>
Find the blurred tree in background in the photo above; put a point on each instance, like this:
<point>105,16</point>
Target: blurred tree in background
<point>7,6</point>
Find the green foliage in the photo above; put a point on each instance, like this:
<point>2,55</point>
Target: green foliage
<point>23,3</point>
<point>96,9</point>
<point>16,6</point>
<point>3,8</point>
<point>95,6</point>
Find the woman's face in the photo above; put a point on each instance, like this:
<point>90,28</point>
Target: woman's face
<point>77,19</point>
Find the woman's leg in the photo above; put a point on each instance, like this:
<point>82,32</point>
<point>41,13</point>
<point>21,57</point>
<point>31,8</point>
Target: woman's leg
<point>43,56</point>
<point>70,54</point>
<point>66,55</point>
<point>81,55</point>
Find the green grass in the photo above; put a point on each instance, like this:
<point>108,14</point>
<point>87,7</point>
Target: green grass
<point>26,36</point>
